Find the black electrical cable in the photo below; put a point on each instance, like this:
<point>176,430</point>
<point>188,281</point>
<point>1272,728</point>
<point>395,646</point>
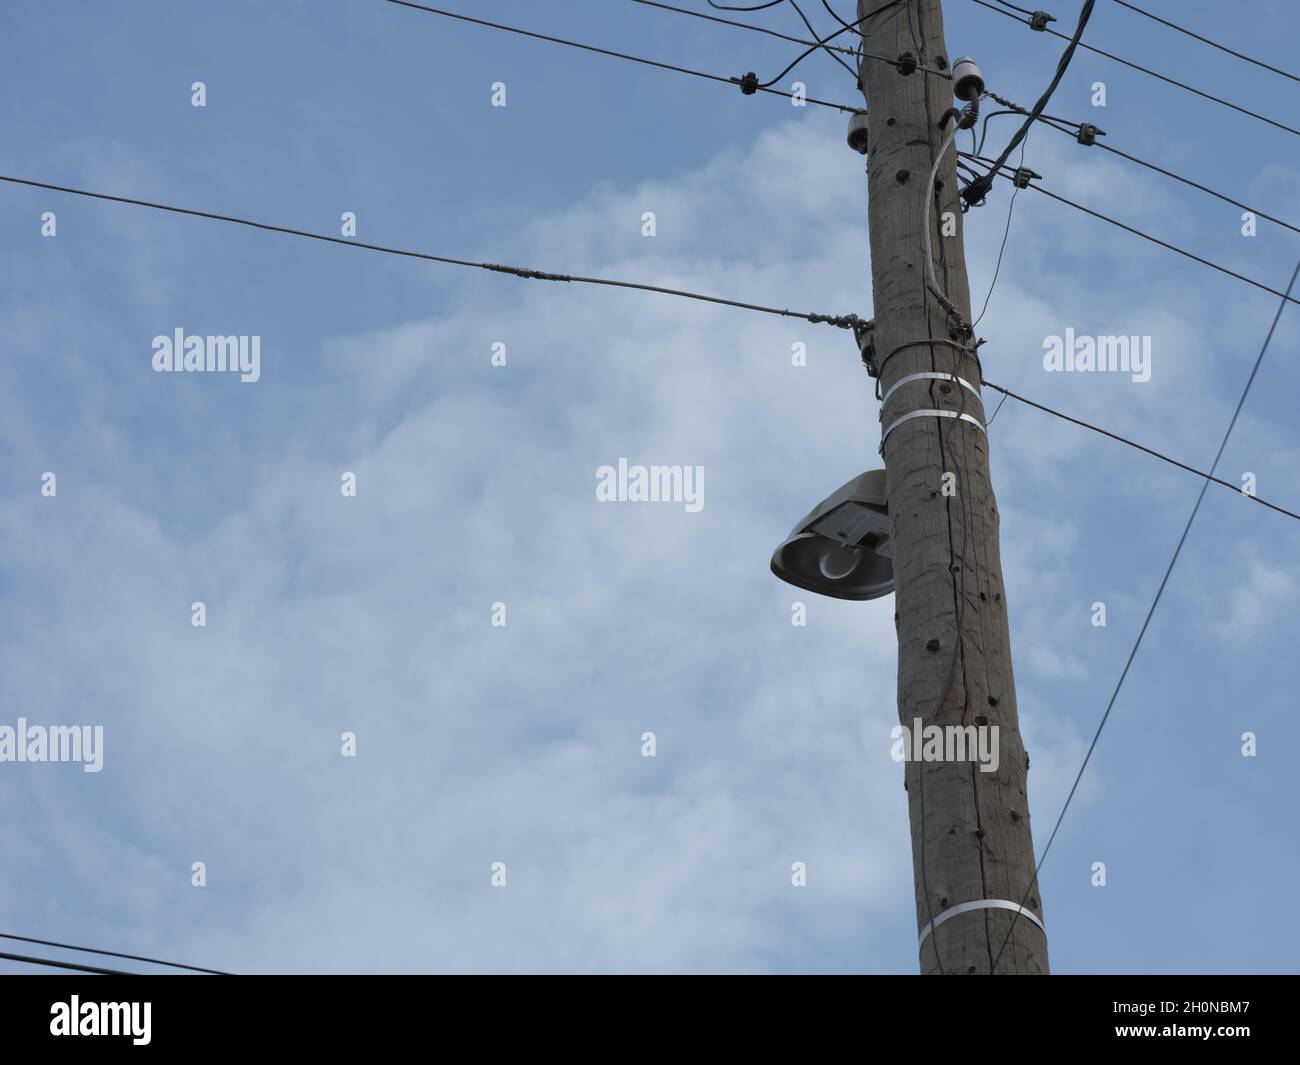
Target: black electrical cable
<point>835,15</point>
<point>742,25</point>
<point>1153,239</point>
<point>959,607</point>
<point>925,879</point>
<point>1006,232</point>
<point>1163,243</point>
<point>959,590</point>
<point>984,129</point>
<point>995,412</point>
<point>821,43</point>
<point>977,190</point>
<point>848,321</point>
<point>819,46</point>
<point>1154,74</point>
<point>112,954</point>
<point>610,52</point>
<point>1012,109</point>
<point>1196,185</point>
<point>1008,394</point>
<point>911,28</point>
<point>997,269</point>
<point>71,966</point>
<point>1058,124</point>
<point>1206,40</point>
<point>1154,603</point>
<point>856,25</point>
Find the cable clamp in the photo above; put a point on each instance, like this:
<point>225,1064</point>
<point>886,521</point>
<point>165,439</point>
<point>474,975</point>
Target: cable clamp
<point>928,375</point>
<point>1039,20</point>
<point>840,321</point>
<point>978,904</point>
<point>1088,134</point>
<point>748,84</point>
<point>929,414</point>
<point>906,63</point>
<point>1022,176</point>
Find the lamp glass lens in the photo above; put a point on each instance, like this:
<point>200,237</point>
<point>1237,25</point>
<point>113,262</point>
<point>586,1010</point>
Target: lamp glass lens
<point>837,561</point>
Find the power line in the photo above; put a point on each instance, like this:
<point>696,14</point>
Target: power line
<point>751,7</point>
<point>820,43</point>
<point>73,966</point>
<point>813,45</point>
<point>1153,239</point>
<point>610,52</point>
<point>1164,243</point>
<point>1206,40</point>
<point>1154,603</point>
<point>1006,232</point>
<point>979,188</point>
<point>742,25</point>
<point>840,321</point>
<point>835,15</point>
<point>1008,394</point>
<point>1060,124</point>
<point>1152,73</point>
<point>112,954</point>
<point>852,27</point>
<point>1014,8</point>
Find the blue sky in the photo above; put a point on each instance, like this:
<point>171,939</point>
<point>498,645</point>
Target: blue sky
<point>521,744</point>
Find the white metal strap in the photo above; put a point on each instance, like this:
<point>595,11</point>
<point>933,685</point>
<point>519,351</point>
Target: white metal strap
<point>928,375</point>
<point>978,904</point>
<point>929,414</point>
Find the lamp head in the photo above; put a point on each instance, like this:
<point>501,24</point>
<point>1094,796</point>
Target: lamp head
<point>841,548</point>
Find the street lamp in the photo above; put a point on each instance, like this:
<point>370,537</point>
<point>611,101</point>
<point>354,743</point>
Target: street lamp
<point>842,548</point>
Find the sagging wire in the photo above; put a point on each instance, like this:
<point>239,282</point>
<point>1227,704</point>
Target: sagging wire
<point>817,37</point>
<point>906,63</point>
<point>1006,232</point>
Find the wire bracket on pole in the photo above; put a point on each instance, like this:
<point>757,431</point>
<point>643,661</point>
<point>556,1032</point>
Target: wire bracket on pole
<point>929,414</point>
<point>929,375</point>
<point>979,904</point>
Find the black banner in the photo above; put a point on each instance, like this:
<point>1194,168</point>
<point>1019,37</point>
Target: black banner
<point>339,1013</point>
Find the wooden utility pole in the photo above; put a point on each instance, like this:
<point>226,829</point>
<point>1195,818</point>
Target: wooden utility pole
<point>970,829</point>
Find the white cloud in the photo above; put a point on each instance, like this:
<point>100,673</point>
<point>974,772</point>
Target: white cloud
<point>521,745</point>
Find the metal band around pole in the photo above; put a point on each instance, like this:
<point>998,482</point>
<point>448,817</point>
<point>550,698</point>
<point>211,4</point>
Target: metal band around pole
<point>929,414</point>
<point>929,375</point>
<point>978,904</point>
